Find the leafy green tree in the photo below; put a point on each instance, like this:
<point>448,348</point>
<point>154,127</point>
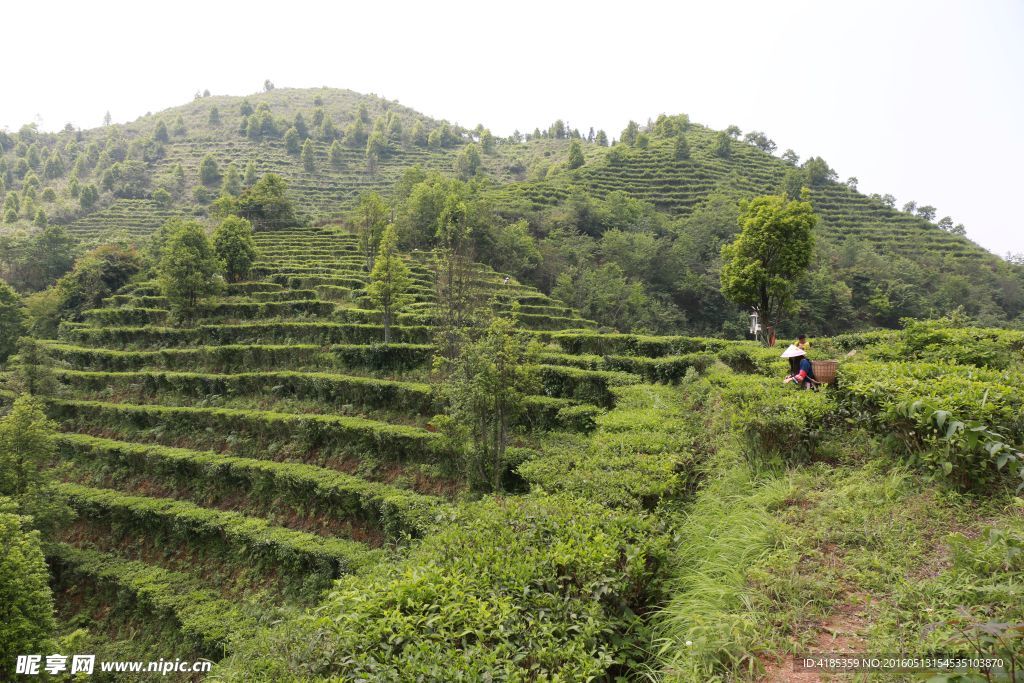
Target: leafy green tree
<point>818,172</point>
<point>369,219</point>
<point>945,223</point>
<point>54,166</point>
<point>179,126</point>
<point>487,141</point>
<point>418,135</point>
<point>27,624</point>
<point>249,178</point>
<point>336,155</point>
<point>163,198</point>
<point>791,157</point>
<point>292,140</point>
<point>235,247</point>
<point>245,109</point>
<point>40,220</point>
<point>926,212</point>
<point>910,207</point>
<point>643,140</point>
<point>12,320</point>
<point>362,113</point>
<point>90,195</point>
<point>733,132</point>
<point>682,148</point>
<point>49,195</point>
<point>209,172</point>
<point>575,155</point>
<point>27,449</point>
<point>160,134</point>
<point>214,118</point>
<point>485,389</point>
<point>308,156</point>
<point>629,133</point>
<point>299,124</point>
<point>389,280</point>
<point>327,129</point>
<point>468,161</point>
<point>760,140</point>
<point>266,204</point>
<point>232,184</point>
<point>188,271</point>
<point>355,134</point>
<point>376,145</point>
<point>723,145</point>
<point>318,117</point>
<point>763,266</point>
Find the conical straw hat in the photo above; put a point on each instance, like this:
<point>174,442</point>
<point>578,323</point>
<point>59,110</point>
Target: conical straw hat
<point>793,351</point>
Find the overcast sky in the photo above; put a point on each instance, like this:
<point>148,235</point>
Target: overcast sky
<point>923,100</point>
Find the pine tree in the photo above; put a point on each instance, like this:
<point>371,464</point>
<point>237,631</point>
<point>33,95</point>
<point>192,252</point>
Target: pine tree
<point>327,129</point>
<point>300,126</point>
<point>214,119</point>
<point>308,156</point>
<point>161,134</point>
<point>292,141</point>
<point>575,154</point>
<point>389,280</point>
<point>335,155</point>
<point>249,179</point>
<point>682,148</point>
<point>209,173</point>
<point>179,126</point>
<point>232,184</point>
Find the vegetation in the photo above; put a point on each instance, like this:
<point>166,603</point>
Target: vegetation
<point>561,463</point>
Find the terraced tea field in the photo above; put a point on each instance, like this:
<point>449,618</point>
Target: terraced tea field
<point>226,472</point>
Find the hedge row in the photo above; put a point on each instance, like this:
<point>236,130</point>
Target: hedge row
<point>634,344</point>
<point>235,357</point>
<point>589,386</point>
<point>244,333</point>
<point>395,512</point>
<point>235,288</point>
<point>285,295</point>
<point>326,433</point>
<point>328,388</point>
<point>126,316</point>
<point>251,540</point>
<point>204,619</point>
<point>549,412</point>
<point>662,369</point>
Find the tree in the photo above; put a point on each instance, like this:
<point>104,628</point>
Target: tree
<point>179,126</point>
<point>682,148</point>
<point>265,204</point>
<point>235,247</point>
<point>89,196</point>
<point>601,138</point>
<point>370,218</point>
<point>723,145</point>
<point>791,157</point>
<point>926,212</point>
<point>327,129</point>
<point>161,134</point>
<point>760,140</point>
<point>818,172</point>
<point>763,266</point>
<point>214,118</point>
<point>629,133</point>
<point>27,624</point>
<point>106,119</point>
<point>575,155</point>
<point>376,147</point>
<point>468,161</point>
<point>336,155</point>
<point>487,141</point>
<point>249,178</point>
<point>418,135</point>
<point>232,184</point>
<point>945,223</point>
<point>292,140</point>
<point>12,320</point>
<point>389,280</point>
<point>245,109</point>
<point>851,183</point>
<point>308,156</point>
<point>299,125</point>
<point>188,270</point>
<point>54,166</point>
<point>209,173</point>
<point>267,85</point>
<point>733,132</point>
<point>910,207</point>
<point>485,388</point>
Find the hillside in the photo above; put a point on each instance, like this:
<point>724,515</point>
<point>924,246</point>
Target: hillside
<point>631,237</point>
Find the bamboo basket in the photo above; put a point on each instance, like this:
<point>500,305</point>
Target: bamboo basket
<point>825,370</point>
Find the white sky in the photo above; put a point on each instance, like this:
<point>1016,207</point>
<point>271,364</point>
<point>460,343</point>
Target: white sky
<point>923,100</point>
